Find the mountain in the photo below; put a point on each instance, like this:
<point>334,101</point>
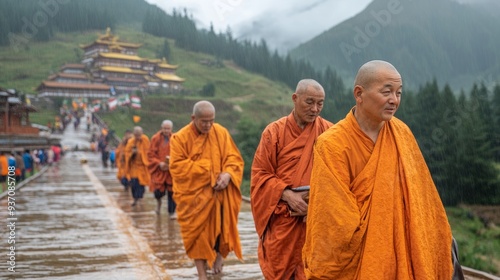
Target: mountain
<point>455,43</point>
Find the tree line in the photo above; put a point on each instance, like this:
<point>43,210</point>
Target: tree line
<point>255,57</point>
<point>459,136</point>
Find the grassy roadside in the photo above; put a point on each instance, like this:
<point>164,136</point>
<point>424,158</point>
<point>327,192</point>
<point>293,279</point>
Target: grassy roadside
<point>478,243</point>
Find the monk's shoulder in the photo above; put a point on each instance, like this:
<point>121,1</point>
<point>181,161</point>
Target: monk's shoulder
<point>400,127</point>
<point>275,126</point>
<point>324,122</point>
<point>182,133</point>
<point>336,131</point>
<point>221,130</point>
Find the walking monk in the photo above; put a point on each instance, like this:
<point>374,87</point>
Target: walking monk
<point>374,211</point>
<point>159,160</point>
<point>282,163</point>
<point>121,173</point>
<point>207,170</point>
<point>136,155</point>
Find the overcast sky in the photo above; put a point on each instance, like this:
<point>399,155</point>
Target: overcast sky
<point>284,24</point>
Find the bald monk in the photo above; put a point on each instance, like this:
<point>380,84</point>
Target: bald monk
<point>282,163</point>
<point>207,169</point>
<point>374,211</point>
<point>136,155</point>
<point>159,159</point>
<point>121,173</point>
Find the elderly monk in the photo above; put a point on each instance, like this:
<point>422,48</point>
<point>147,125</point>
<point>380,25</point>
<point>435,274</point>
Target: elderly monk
<point>159,159</point>
<point>282,163</point>
<point>121,173</point>
<point>374,211</point>
<point>207,170</point>
<point>136,160</point>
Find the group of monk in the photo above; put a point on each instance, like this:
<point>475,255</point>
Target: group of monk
<point>143,162</point>
<point>352,200</point>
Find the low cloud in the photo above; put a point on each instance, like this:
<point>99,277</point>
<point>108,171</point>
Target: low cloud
<point>284,24</point>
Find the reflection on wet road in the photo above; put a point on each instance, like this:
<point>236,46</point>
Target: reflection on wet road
<point>76,222</point>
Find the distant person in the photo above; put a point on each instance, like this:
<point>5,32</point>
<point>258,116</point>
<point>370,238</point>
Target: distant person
<point>112,157</point>
<point>28,163</point>
<point>282,163</point>
<point>121,172</point>
<point>136,156</point>
<point>4,171</point>
<point>20,168</point>
<point>159,160</point>
<point>102,146</point>
<point>207,170</point>
<point>374,211</point>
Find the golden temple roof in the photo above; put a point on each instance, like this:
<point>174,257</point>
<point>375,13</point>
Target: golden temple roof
<point>122,70</point>
<point>121,56</point>
<point>170,77</point>
<point>164,64</point>
<point>109,39</point>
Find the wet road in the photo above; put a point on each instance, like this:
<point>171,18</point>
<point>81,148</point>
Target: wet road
<point>76,222</point>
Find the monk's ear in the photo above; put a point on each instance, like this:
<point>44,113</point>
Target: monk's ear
<point>294,97</point>
<point>192,117</point>
<point>358,91</point>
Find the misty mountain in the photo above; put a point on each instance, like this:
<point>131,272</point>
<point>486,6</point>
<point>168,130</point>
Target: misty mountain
<point>453,42</point>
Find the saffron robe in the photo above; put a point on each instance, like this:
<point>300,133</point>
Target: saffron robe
<point>374,211</point>
<point>282,159</point>
<point>196,160</point>
<point>137,166</point>
<point>120,161</point>
<point>159,149</point>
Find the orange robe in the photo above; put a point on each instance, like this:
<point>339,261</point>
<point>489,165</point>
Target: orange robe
<point>282,159</point>
<point>120,161</point>
<point>137,167</point>
<point>196,160</point>
<point>374,211</point>
<point>4,165</point>
<point>159,149</point>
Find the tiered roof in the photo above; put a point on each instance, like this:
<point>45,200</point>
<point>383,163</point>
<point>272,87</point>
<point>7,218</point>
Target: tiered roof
<point>110,63</point>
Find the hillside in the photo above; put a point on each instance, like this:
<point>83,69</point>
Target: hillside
<point>238,92</point>
<point>452,42</point>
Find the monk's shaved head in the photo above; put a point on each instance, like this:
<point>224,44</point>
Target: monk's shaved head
<point>203,107</point>
<point>137,130</point>
<point>302,86</point>
<point>367,73</point>
<point>167,122</point>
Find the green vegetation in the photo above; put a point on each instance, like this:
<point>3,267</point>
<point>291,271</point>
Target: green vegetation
<point>452,42</point>
<point>478,244</point>
<point>458,135</point>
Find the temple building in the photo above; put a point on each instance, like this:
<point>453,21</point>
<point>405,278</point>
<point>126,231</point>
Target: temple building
<point>111,67</point>
<point>16,132</point>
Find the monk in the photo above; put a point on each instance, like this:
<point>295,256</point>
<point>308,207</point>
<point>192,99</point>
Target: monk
<point>159,159</point>
<point>282,163</point>
<point>136,160</point>
<point>374,211</point>
<point>121,173</point>
<point>207,170</point>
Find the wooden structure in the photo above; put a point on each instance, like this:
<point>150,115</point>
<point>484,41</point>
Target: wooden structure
<point>16,132</point>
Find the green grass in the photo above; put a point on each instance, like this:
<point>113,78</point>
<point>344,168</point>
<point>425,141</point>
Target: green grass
<point>239,93</point>
<point>479,246</point>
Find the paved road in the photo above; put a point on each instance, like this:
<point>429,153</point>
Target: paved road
<point>75,222</point>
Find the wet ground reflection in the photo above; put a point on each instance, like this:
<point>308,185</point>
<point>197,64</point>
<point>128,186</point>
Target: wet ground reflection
<point>164,238</point>
<point>76,222</point>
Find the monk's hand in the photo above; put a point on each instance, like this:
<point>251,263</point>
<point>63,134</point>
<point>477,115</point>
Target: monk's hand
<point>222,181</point>
<point>163,166</point>
<point>295,201</point>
